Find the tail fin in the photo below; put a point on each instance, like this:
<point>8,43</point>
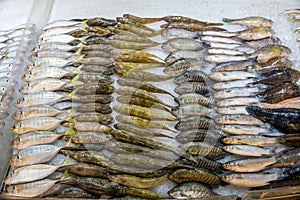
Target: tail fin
<point>227,20</point>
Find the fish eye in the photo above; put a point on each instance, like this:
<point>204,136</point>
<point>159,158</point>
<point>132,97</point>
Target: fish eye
<point>23,99</point>
<point>30,73</point>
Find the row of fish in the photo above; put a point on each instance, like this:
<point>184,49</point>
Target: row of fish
<point>77,139</point>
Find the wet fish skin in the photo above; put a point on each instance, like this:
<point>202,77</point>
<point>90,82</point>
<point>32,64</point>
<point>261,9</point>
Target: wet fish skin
<point>195,27</point>
<point>256,33</point>
<point>273,77</point>
<point>238,119</point>
<point>247,150</point>
<point>190,190</point>
<point>254,21</point>
<point>269,52</point>
<point>184,54</point>
<point>141,20</point>
<point>85,137</point>
<point>94,107</point>
<point>192,88</point>
<point>94,117</point>
<point>191,76</point>
<point>171,33</point>
<point>197,122</point>
<point>137,182</point>
<point>288,159</point>
<point>237,92</point>
<point>249,164</point>
<point>288,103</point>
<point>201,149</point>
<point>36,111</point>
<point>289,119</point>
<point>194,109</point>
<point>182,44</point>
<point>179,66</point>
<point>230,76</point>
<point>254,140</point>
<point>92,126</point>
<point>198,135</point>
<point>234,65</point>
<point>196,99</point>
<point>198,175</point>
<point>244,129</point>
<point>88,170</point>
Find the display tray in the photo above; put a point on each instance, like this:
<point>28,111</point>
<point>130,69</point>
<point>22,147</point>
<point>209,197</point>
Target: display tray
<point>44,11</point>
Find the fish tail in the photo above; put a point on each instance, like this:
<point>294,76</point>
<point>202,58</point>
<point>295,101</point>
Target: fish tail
<point>65,177</point>
<point>84,23</point>
<point>67,162</point>
<point>78,69</point>
<point>78,52</point>
<point>227,20</point>
<point>75,80</point>
<point>70,131</point>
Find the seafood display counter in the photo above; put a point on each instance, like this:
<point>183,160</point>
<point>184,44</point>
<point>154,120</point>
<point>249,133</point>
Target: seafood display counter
<point>151,100</point>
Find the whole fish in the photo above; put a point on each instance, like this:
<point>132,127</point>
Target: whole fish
<point>251,21</point>
<point>93,157</point>
<point>203,163</point>
<point>253,151</point>
<point>234,65</point>
<point>86,137</point>
<point>251,179</point>
<point>231,76</point>
<point>190,190</point>
<point>141,20</point>
<point>88,77</point>
<point>135,38</point>
<point>288,118</point>
<point>94,87</point>
<point>191,76</point>
<point>230,52</point>
<point>288,159</point>
<point>238,101</point>
<point>267,53</point>
<point>87,170</point>
<point>238,119</point>
<point>66,38</point>
<point>244,129</point>
<point>208,39</point>
<point>194,122</point>
<point>34,189</point>
<point>200,135</point>
<point>236,92</point>
<point>193,109</point>
<point>36,154</point>
<point>249,164</point>
<point>146,76</point>
<point>37,138</point>
<point>122,67</point>
<point>93,107</point>
<point>135,56</point>
<point>93,117</point>
<point>254,140</point>
<point>273,77</point>
<point>53,53</point>
<point>171,19</point>
<point>181,43</point>
<point>33,172</point>
<point>142,112</point>
<point>198,175</point>
<point>184,54</point>
<point>232,84</point>
<point>195,27</point>
<point>138,29</point>
<point>123,44</point>
<point>137,182</point>
<point>38,124</point>
<point>219,58</point>
<point>279,92</point>
<point>256,33</point>
<point>258,44</point>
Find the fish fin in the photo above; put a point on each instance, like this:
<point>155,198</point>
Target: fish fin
<point>70,131</point>
<point>78,52</point>
<point>75,81</point>
<point>65,177</point>
<point>67,162</point>
<point>72,95</point>
<point>84,23</point>
<point>77,70</point>
<point>79,58</point>
<point>227,20</point>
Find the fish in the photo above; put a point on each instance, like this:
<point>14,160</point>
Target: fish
<point>196,88</point>
<point>184,54</point>
<point>125,90</point>
<point>72,192</point>
<point>288,118</point>
<point>54,53</point>
<point>92,157</point>
<point>123,67</point>
<point>65,38</point>
<point>201,149</point>
<point>287,103</point>
<point>92,126</point>
<point>232,110</point>
<point>171,33</point>
<point>178,67</point>
<point>250,179</point>
<point>258,44</point>
<point>99,69</point>
<point>126,55</point>
<point>141,20</point>
<point>135,38</point>
<point>256,33</point>
<point>36,154</point>
<point>238,120</point>
<point>203,163</point>
<point>190,190</point>
<point>195,27</point>
<point>94,107</point>
<point>236,92</point>
<point>93,117</point>
<point>141,132</point>
<point>87,170</point>
<point>252,151</point>
<point>37,138</point>
<point>146,76</point>
<point>238,101</point>
<point>143,112</point>
<point>198,175</point>
<point>193,109</point>
<point>138,29</point>
<point>34,189</point>
<point>249,164</point>
<point>245,129</point>
<point>234,65</point>
<point>269,52</point>
<point>221,58</point>
<point>253,140</point>
<point>94,87</point>
<point>230,76</point>
<point>230,52</point>
<point>38,124</point>
<point>41,98</point>
<point>33,172</point>
<point>195,99</point>
<point>140,84</point>
<point>171,18</point>
<point>137,182</point>
<point>194,122</point>
<point>279,92</point>
<point>93,98</point>
<point>226,40</point>
<point>273,77</point>
<point>86,137</point>
<point>143,193</point>
<point>181,43</point>
<point>288,159</point>
<point>191,76</point>
<point>254,21</point>
<point>122,44</point>
<point>200,135</point>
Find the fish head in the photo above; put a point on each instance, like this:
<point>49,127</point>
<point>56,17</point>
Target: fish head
<point>15,161</point>
<point>229,166</point>
<point>21,103</point>
<point>16,143</point>
<point>26,88</point>
<point>177,193</point>
<point>12,190</point>
<point>18,128</point>
<point>29,67</point>
<point>19,115</point>
<point>118,179</point>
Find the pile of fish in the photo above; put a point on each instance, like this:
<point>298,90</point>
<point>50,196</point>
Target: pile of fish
<point>9,43</point>
<point>294,15</point>
<point>119,108</point>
